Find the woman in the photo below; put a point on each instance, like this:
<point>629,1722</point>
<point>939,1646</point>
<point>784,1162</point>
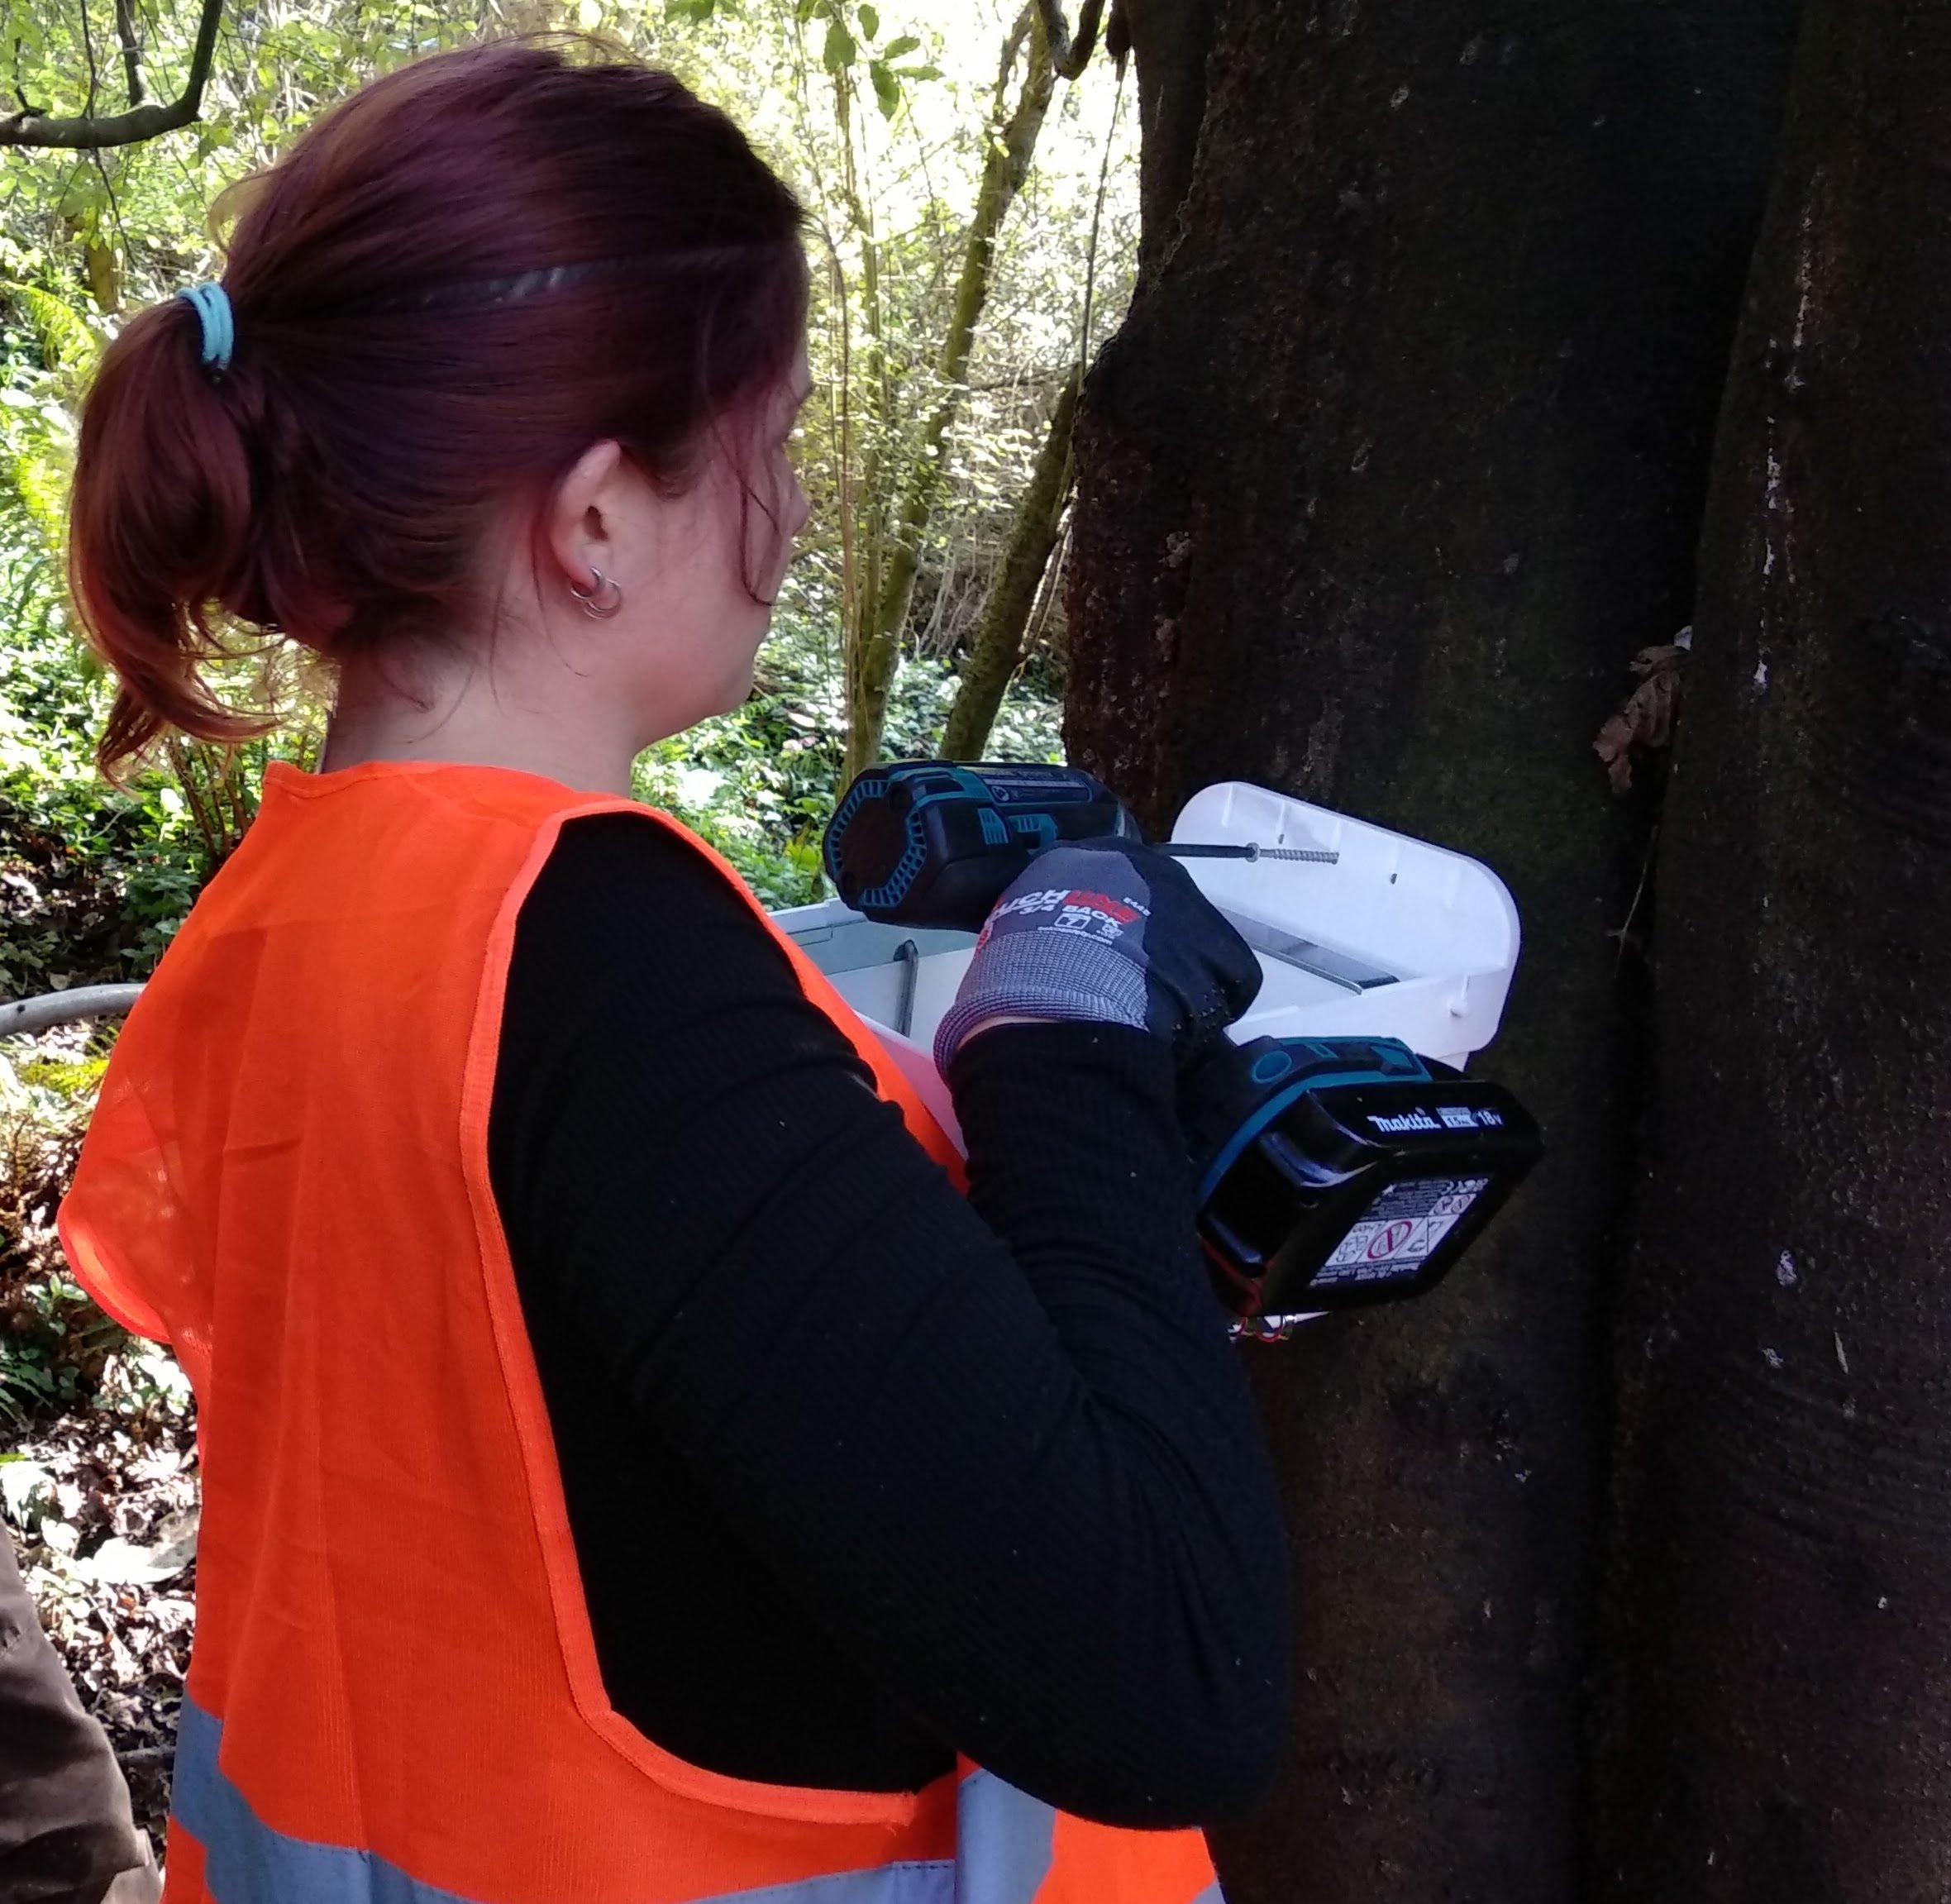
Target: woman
<point>632,1469</point>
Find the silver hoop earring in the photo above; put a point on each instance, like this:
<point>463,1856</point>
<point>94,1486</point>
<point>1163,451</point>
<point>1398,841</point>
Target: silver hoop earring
<point>602,598</point>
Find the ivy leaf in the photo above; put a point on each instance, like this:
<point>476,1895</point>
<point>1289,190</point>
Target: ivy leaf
<point>895,48</point>
<point>887,89</point>
<point>838,53</point>
<point>870,22</point>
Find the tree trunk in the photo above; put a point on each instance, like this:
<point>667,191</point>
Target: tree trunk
<point>1777,1679</point>
<point>1174,36</point>
<point>1396,462</point>
<point>1006,611</point>
<point>875,652</point>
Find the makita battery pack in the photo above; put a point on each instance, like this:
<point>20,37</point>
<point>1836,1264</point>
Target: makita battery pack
<point>1335,1173</point>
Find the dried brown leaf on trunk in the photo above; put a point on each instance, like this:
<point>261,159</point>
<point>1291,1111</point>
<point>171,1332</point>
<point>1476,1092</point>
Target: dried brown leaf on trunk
<point>1645,719</point>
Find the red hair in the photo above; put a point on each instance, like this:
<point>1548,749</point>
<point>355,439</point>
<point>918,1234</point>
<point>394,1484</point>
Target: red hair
<point>457,280</point>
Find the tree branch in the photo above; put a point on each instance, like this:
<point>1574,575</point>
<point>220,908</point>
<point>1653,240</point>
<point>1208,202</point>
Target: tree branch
<point>131,49</point>
<point>1003,633</point>
<point>1013,42</point>
<point>1010,143</point>
<point>1069,57</point>
<point>88,133</point>
<point>87,50</point>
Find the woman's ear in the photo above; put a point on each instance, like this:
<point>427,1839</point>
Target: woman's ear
<point>583,517</point>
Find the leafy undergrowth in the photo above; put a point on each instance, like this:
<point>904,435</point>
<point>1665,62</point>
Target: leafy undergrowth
<point>98,1439</point>
<point>54,1342</point>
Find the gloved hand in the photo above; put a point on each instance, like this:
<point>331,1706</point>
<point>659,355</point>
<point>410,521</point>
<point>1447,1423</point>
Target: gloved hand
<point>1105,930</point>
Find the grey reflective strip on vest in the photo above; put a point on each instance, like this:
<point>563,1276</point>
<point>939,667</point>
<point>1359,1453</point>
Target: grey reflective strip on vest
<point>1004,1839</point>
<point>1003,1842</point>
<point>245,1862</point>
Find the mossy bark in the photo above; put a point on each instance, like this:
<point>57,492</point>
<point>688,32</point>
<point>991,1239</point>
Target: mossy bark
<point>1775,1676</point>
<point>1398,459</point>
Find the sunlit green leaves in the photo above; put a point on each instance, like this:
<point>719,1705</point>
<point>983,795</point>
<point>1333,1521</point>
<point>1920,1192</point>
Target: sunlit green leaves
<point>848,32</point>
<point>849,36</point>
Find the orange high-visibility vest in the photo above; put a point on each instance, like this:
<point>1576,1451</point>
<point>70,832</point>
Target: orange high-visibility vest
<point>395,1696</point>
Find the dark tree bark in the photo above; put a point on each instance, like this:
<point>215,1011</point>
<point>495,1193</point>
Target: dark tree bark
<point>1175,35</point>
<point>1398,459</point>
<point>1776,1678</point>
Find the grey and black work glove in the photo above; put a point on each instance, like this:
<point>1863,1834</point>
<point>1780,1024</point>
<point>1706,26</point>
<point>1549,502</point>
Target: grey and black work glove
<point>1106,931</point>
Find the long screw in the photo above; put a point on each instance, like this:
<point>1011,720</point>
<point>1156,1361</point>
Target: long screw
<point>1249,852</point>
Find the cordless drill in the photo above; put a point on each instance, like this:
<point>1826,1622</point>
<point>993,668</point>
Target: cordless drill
<point>1331,1173</point>
<point>924,842</point>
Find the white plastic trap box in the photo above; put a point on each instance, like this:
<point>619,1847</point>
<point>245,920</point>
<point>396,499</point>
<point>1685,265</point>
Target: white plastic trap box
<point>1397,939</point>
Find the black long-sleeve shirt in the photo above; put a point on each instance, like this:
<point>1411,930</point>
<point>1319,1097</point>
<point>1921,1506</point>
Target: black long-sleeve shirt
<point>861,1472</point>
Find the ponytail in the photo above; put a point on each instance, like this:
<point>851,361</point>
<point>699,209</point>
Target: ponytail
<point>159,530</point>
<point>457,280</point>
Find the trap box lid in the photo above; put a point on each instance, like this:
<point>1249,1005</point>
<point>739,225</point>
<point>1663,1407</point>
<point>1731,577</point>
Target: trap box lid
<point>1399,938</point>
<point>1429,937</point>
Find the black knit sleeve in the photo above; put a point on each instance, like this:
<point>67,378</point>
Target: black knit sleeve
<point>997,1449</point>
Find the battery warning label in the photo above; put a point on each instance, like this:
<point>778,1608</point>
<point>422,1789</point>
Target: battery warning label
<point>1400,1230</point>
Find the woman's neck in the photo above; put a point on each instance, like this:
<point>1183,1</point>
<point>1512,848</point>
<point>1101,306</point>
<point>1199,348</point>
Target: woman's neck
<point>476,716</point>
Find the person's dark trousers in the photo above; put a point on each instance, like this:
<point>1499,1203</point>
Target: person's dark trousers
<point>65,1827</point>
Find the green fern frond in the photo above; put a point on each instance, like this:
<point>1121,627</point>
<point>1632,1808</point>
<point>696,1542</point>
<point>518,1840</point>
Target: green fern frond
<point>66,341</point>
<point>36,459</point>
<point>41,484</point>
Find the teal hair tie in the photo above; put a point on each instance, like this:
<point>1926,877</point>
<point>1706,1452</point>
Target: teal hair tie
<point>211,304</point>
